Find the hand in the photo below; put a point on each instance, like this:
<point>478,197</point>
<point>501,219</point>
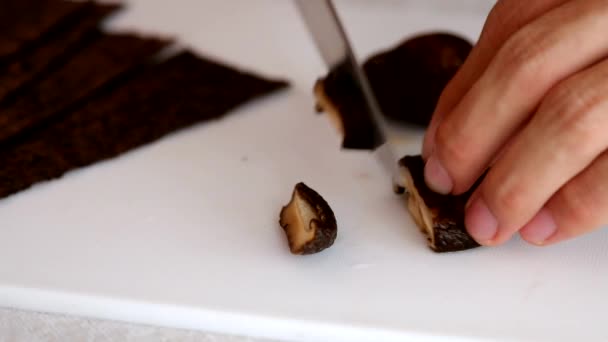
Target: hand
<point>531,103</point>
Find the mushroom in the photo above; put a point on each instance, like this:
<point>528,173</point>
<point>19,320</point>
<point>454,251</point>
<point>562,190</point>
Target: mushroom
<point>439,217</point>
<point>409,78</point>
<point>407,81</point>
<point>340,97</point>
<point>308,221</point>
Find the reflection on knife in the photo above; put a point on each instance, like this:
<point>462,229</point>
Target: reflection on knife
<point>328,33</point>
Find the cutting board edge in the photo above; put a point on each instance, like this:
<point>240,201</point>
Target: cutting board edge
<point>207,320</point>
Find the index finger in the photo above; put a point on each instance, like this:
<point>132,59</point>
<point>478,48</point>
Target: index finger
<point>505,18</point>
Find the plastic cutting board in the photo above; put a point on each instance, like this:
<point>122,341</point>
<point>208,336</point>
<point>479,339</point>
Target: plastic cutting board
<point>184,232</point>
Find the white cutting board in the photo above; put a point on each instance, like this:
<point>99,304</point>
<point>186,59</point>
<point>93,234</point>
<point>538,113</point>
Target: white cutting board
<point>184,232</point>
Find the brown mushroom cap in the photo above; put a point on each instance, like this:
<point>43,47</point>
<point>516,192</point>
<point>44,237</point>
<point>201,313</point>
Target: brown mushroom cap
<point>308,221</point>
<point>338,96</point>
<point>409,78</point>
<point>407,81</point>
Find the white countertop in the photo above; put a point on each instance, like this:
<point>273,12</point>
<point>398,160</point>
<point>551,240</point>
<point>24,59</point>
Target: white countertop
<point>20,325</point>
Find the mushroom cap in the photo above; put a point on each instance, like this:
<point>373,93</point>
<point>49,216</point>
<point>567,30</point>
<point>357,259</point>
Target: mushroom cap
<point>406,79</point>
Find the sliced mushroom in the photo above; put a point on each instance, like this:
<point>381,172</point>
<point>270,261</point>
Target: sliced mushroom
<point>308,221</point>
<point>406,79</point>
<point>338,96</point>
<point>439,217</point>
<point>409,78</point>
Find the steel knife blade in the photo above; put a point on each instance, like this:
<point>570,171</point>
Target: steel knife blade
<point>327,31</point>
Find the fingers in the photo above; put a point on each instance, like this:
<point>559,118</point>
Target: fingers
<point>565,136</point>
<point>506,17</point>
<point>579,207</point>
<point>527,66</point>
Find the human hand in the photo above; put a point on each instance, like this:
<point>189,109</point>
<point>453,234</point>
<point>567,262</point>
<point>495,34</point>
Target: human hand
<point>531,101</point>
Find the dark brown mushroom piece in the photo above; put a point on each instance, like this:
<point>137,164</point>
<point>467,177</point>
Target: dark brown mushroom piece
<point>439,217</point>
<point>406,79</point>
<point>340,98</point>
<point>308,221</point>
<point>409,78</point>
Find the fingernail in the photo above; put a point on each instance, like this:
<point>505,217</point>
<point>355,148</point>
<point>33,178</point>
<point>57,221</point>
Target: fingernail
<point>540,229</point>
<point>436,177</point>
<point>480,222</point>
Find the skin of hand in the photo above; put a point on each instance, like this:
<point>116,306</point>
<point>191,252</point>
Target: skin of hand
<point>530,106</point>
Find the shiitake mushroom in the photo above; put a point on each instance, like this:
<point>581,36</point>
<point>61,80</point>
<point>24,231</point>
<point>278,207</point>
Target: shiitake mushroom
<point>409,78</point>
<point>439,217</point>
<point>406,79</point>
<point>308,221</point>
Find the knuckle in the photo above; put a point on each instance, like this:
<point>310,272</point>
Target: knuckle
<point>522,59</point>
<point>451,145</point>
<point>569,108</point>
<point>569,102</point>
<point>575,207</point>
<point>509,201</point>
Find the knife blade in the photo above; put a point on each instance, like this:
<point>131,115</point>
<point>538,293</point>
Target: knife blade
<point>327,31</point>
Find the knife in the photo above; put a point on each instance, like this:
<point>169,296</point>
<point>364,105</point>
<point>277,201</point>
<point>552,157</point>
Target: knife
<point>332,42</point>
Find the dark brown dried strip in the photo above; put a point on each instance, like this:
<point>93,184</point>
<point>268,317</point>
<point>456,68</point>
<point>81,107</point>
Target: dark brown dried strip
<point>22,22</point>
<point>108,58</point>
<point>56,48</point>
<point>178,93</point>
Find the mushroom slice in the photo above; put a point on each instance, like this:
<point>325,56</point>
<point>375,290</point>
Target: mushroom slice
<point>439,217</point>
<point>339,96</point>
<point>308,221</point>
<point>407,80</point>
